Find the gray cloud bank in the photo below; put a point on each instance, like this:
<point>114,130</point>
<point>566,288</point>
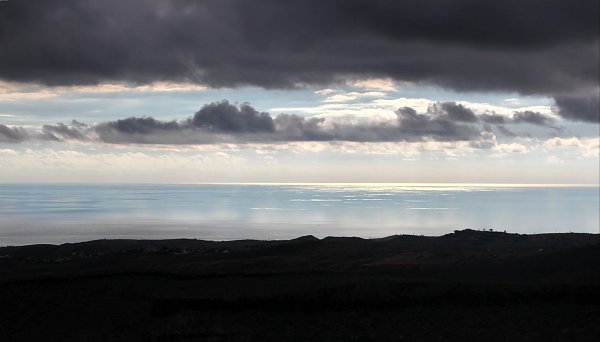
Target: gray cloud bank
<point>12,134</point>
<point>548,47</point>
<point>224,122</point>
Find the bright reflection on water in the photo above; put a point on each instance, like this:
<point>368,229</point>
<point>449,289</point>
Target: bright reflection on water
<point>66,213</point>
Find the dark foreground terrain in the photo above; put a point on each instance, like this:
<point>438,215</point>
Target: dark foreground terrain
<point>466,286</point>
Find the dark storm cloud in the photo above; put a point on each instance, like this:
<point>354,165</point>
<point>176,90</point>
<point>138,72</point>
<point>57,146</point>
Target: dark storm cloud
<point>214,122</point>
<point>297,127</point>
<point>143,125</point>
<point>505,131</point>
<point>492,118</point>
<point>225,122</point>
<point>533,118</point>
<point>12,134</point>
<point>545,47</point>
<point>224,117</point>
<point>582,108</point>
<point>440,126</point>
<point>530,117</point>
<point>457,112</point>
<point>139,130</point>
<point>60,132</point>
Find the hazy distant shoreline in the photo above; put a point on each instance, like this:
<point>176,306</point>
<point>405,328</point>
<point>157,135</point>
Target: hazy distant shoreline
<point>226,241</point>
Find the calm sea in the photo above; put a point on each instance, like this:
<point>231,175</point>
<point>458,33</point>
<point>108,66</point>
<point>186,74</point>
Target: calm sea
<point>69,213</point>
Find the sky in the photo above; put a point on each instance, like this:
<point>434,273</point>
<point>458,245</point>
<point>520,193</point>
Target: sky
<point>181,91</point>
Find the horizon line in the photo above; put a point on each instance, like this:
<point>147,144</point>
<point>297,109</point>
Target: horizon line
<point>407,184</point>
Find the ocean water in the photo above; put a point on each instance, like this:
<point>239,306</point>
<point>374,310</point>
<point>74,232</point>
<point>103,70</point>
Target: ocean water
<point>69,213</point>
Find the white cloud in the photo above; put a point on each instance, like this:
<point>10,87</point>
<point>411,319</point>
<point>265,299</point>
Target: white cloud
<point>12,91</point>
<point>376,109</point>
<point>7,151</point>
<point>563,142</point>
<point>511,148</point>
<point>483,107</point>
<point>351,96</point>
<point>512,102</point>
<point>418,104</point>
<point>324,92</point>
<point>222,155</point>
<point>587,147</point>
<point>297,161</point>
<point>378,106</point>
<point>381,84</point>
<point>554,160</point>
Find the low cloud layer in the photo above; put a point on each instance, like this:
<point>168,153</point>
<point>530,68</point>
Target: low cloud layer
<point>544,47</point>
<point>223,117</point>
<point>224,122</point>
<point>75,131</point>
<point>12,134</point>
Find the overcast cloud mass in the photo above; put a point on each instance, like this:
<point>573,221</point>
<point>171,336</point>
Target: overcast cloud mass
<point>543,47</point>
